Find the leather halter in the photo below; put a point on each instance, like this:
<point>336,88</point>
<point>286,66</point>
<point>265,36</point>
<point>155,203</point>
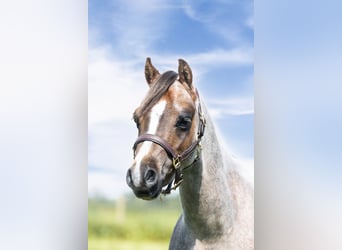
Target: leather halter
<point>178,159</point>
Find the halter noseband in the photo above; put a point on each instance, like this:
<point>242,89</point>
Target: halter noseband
<point>177,159</point>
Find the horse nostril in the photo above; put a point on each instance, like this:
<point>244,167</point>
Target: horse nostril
<point>150,176</point>
<point>129,178</point>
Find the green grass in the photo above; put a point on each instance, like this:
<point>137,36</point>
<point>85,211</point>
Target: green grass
<point>113,244</point>
<point>131,223</point>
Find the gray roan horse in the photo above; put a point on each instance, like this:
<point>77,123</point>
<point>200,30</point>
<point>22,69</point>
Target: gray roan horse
<point>177,146</point>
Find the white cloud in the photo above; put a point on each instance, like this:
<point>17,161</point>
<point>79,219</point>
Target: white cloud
<point>205,61</point>
<point>227,19</point>
<point>231,106</point>
<point>237,56</point>
<point>115,87</point>
<point>136,25</point>
<point>146,25</point>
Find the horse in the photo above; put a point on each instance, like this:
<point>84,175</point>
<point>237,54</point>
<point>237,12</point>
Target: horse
<point>177,146</point>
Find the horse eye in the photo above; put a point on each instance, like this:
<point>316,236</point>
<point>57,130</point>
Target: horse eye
<point>183,123</point>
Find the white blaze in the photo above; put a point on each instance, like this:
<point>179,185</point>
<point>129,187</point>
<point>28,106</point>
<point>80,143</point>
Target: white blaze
<point>156,113</point>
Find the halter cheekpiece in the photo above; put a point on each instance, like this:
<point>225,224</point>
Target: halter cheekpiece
<point>178,159</point>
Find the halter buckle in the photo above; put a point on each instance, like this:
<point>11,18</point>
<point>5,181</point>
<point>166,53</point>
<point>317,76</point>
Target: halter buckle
<point>176,162</point>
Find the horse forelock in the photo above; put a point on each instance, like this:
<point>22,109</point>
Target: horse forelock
<point>156,91</point>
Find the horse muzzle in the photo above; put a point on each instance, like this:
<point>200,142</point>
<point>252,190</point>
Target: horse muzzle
<point>148,186</point>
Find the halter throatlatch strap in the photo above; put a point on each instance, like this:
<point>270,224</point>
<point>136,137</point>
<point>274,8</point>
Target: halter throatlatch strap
<point>177,159</point>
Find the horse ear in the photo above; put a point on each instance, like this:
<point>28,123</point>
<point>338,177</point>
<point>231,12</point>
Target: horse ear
<point>184,72</point>
<point>151,73</point>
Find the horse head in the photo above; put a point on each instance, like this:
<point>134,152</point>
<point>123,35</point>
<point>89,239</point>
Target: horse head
<point>170,125</point>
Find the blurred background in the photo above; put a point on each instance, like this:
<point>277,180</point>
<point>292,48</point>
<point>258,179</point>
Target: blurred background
<point>216,39</point>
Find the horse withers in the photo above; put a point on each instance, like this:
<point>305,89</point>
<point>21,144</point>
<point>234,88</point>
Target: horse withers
<point>177,146</point>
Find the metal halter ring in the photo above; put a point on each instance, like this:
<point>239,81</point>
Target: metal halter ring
<point>176,162</point>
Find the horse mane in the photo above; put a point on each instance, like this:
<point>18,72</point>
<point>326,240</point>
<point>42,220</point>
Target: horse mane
<point>156,91</point>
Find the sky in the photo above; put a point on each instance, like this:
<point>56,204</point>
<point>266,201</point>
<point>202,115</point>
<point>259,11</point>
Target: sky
<point>216,38</point>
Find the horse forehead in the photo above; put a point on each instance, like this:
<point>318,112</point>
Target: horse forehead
<point>179,95</point>
<point>176,98</point>
<point>177,90</point>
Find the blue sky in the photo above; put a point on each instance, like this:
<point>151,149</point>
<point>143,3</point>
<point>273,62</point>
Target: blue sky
<point>214,37</point>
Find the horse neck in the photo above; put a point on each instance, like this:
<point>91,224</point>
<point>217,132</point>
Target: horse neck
<point>204,193</point>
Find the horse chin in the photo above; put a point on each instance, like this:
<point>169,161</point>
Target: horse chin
<point>149,194</point>
<point>151,197</point>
